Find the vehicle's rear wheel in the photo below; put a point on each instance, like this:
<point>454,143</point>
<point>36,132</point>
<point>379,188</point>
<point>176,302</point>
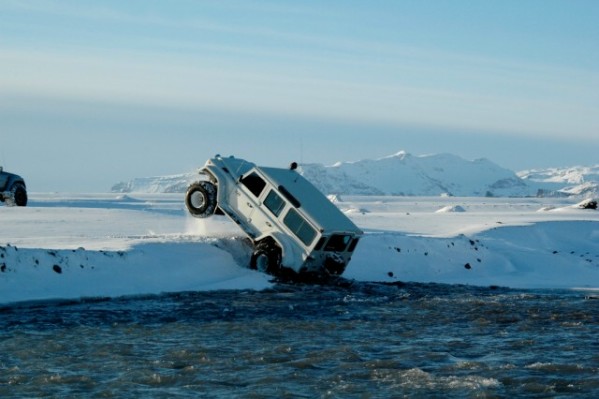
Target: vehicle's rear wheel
<point>200,199</point>
<point>266,257</point>
<point>19,195</point>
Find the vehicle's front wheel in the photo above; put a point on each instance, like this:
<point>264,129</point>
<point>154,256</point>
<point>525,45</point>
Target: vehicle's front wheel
<point>19,195</point>
<point>266,257</point>
<point>200,199</point>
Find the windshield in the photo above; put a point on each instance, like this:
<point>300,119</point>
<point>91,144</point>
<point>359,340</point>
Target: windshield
<point>337,243</point>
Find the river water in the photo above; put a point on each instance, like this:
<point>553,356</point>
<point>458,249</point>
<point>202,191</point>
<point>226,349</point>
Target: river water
<point>346,340</point>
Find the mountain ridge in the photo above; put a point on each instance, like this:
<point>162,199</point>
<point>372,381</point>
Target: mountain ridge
<point>405,174</point>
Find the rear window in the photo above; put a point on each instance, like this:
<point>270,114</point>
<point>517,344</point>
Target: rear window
<point>274,203</point>
<point>298,225</point>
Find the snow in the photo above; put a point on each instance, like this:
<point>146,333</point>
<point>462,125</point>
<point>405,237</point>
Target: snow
<point>571,175</point>
<point>405,174</point>
<point>104,245</point>
<point>157,184</point>
<point>451,208</point>
<point>582,181</point>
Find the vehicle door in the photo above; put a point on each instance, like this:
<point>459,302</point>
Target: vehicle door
<point>250,189</point>
<point>3,181</point>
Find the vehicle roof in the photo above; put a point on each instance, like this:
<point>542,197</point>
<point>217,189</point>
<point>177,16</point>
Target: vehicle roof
<point>236,167</point>
<point>13,175</point>
<point>312,202</point>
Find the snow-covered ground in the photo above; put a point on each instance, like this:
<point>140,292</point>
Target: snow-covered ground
<point>70,246</point>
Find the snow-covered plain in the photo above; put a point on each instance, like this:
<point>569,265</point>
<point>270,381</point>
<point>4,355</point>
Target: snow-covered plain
<point>105,245</point>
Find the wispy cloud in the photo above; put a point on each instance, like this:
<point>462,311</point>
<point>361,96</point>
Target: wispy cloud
<point>127,55</point>
<point>174,83</point>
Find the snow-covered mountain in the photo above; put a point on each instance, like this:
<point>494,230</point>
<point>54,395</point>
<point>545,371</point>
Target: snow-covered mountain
<point>410,175</point>
<point>157,184</point>
<point>580,181</point>
<point>406,174</point>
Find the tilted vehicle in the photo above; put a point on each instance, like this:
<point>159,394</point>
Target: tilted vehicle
<point>12,189</point>
<point>292,225</point>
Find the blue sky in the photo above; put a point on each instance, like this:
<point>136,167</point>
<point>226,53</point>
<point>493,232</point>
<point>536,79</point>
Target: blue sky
<point>94,92</point>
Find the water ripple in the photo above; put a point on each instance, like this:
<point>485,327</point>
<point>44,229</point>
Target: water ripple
<point>334,341</point>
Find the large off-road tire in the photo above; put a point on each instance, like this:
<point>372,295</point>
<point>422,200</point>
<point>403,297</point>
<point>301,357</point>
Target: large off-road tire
<point>266,257</point>
<point>334,264</point>
<point>19,195</point>
<point>200,199</point>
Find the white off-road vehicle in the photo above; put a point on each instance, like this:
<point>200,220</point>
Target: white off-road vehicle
<point>292,225</point>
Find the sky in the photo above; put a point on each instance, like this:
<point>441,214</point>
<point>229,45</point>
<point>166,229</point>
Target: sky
<point>97,92</point>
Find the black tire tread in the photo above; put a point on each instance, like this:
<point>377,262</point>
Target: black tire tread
<point>208,190</point>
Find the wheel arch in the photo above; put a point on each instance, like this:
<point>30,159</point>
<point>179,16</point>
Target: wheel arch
<point>289,251</point>
<point>19,180</point>
<point>13,179</point>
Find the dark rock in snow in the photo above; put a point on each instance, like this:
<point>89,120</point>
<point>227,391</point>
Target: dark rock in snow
<point>588,204</point>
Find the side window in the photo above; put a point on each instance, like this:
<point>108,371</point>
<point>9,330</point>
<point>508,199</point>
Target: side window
<point>274,203</point>
<point>254,183</point>
<point>299,227</point>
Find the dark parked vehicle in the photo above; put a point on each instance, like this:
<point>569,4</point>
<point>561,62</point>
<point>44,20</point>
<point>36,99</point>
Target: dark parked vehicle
<point>12,189</point>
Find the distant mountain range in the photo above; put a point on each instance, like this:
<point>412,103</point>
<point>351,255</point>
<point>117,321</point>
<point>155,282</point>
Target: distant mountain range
<point>424,175</point>
<point>582,181</point>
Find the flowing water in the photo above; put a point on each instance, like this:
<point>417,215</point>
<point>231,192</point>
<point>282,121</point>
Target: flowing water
<point>348,340</point>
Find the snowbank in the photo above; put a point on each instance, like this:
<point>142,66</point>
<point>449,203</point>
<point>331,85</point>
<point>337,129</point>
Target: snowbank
<point>34,273</point>
<point>540,255</point>
<point>66,246</point>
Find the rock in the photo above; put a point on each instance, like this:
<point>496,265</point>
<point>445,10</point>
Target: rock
<point>588,204</point>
